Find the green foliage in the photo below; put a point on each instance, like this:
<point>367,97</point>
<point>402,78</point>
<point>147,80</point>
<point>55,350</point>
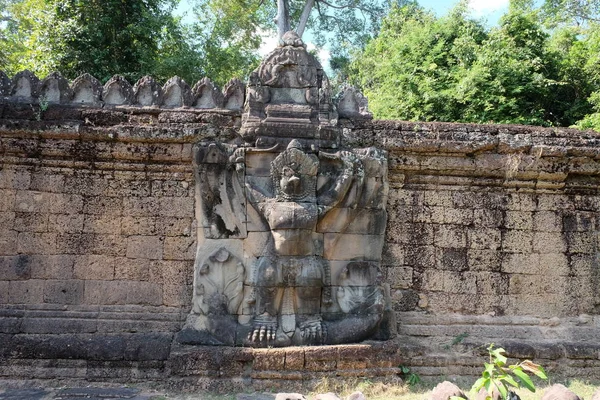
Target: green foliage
<point>130,38</point>
<point>497,376</point>
<point>452,68</point>
<point>408,376</point>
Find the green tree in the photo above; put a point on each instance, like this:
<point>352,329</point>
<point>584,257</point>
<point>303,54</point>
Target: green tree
<point>422,67</point>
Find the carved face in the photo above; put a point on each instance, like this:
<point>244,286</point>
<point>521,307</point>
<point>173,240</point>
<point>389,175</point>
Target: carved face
<point>290,182</point>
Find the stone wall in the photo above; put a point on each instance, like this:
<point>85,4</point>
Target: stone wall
<point>491,237</point>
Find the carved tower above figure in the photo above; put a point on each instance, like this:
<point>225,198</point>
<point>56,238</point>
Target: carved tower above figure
<point>291,226</point>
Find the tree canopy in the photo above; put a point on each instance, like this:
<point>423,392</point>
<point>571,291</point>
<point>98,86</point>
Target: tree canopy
<point>453,68</point>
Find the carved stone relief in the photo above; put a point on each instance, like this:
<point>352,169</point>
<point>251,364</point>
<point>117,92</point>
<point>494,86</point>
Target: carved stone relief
<point>290,225</point>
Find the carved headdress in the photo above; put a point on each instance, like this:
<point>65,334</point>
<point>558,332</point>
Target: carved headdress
<point>295,164</point>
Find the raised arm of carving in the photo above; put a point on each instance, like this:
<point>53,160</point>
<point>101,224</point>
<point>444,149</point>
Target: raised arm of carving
<point>352,172</point>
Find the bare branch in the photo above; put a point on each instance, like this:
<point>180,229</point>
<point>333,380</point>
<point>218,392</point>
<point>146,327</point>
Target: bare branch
<point>363,9</point>
<point>304,17</point>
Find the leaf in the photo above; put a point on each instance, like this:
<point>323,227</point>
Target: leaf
<point>502,389</point>
<point>534,368</point>
<point>479,383</point>
<point>499,357</point>
<point>510,380</point>
<point>525,380</point>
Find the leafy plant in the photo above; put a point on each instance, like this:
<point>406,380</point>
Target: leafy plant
<point>497,375</point>
<point>409,377</point>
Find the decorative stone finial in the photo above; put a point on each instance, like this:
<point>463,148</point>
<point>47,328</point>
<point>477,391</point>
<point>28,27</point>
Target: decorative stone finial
<point>291,38</point>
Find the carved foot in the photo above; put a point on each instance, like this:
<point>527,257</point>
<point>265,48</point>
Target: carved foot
<point>313,331</point>
<point>263,330</point>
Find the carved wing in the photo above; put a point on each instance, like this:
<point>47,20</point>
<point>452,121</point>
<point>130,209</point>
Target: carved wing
<point>221,196</point>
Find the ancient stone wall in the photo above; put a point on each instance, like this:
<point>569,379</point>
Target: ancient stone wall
<point>491,236</point>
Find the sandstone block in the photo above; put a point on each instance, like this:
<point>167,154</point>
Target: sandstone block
<point>144,293</point>
<point>484,238</point>
<point>103,205</point>
<point>57,266</point>
<point>171,188</point>
<point>521,220</point>
<point>65,223</point>
<point>433,280</point>
<point>101,224</point>
<point>7,200</point>
<point>181,207</point>
<point>8,242</point>
<point>520,263</point>
<point>173,226</point>
<point>451,259</point>
<point>547,221</point>
<point>105,292</point>
<point>177,295</point>
<point>420,256</point>
<point>393,254</point>
<point>150,247</point>
<point>16,267</point>
<point>96,267</point>
<point>460,282</point>
<point>179,248</point>
<point>489,218</point>
<point>145,226</point>
<point>63,291</point>
<point>4,291</point>
<point>492,283</point>
<point>26,292</point>
<point>269,360</point>
<point>399,277</point>
<point>545,241</point>
<point>31,222</point>
<point>515,241</point>
<point>111,245</point>
<point>554,264</point>
<point>580,242</point>
<point>484,260</point>
<point>349,247</point>
<point>141,206</point>
<point>450,236</point>
<point>44,182</point>
<point>173,272</point>
<point>134,269</point>
<point>294,359</point>
<point>559,392</point>
<point>37,243</point>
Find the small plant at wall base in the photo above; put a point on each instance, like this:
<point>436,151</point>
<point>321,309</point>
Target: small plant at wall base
<point>501,377</point>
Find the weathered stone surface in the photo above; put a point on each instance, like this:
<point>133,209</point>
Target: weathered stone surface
<point>24,86</point>
<point>206,95</point>
<point>177,93</point>
<point>558,391</point>
<point>147,92</point>
<point>86,90</point>
<point>117,91</point>
<point>445,390</point>
<point>356,396</point>
<point>289,396</point>
<point>91,392</point>
<point>55,89</point>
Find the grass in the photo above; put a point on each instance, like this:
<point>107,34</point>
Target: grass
<point>396,390</point>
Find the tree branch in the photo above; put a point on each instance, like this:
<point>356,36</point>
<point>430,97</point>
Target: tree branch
<point>304,17</point>
<point>283,18</point>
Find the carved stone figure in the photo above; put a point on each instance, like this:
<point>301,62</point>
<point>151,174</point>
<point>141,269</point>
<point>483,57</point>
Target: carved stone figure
<point>290,225</point>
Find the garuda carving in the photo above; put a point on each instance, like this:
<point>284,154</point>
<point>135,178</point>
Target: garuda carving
<point>292,226</point>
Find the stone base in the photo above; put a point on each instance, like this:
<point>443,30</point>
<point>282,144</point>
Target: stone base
<point>218,368</point>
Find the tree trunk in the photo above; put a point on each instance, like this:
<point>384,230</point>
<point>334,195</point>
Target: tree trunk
<point>282,18</point>
<point>304,17</point>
